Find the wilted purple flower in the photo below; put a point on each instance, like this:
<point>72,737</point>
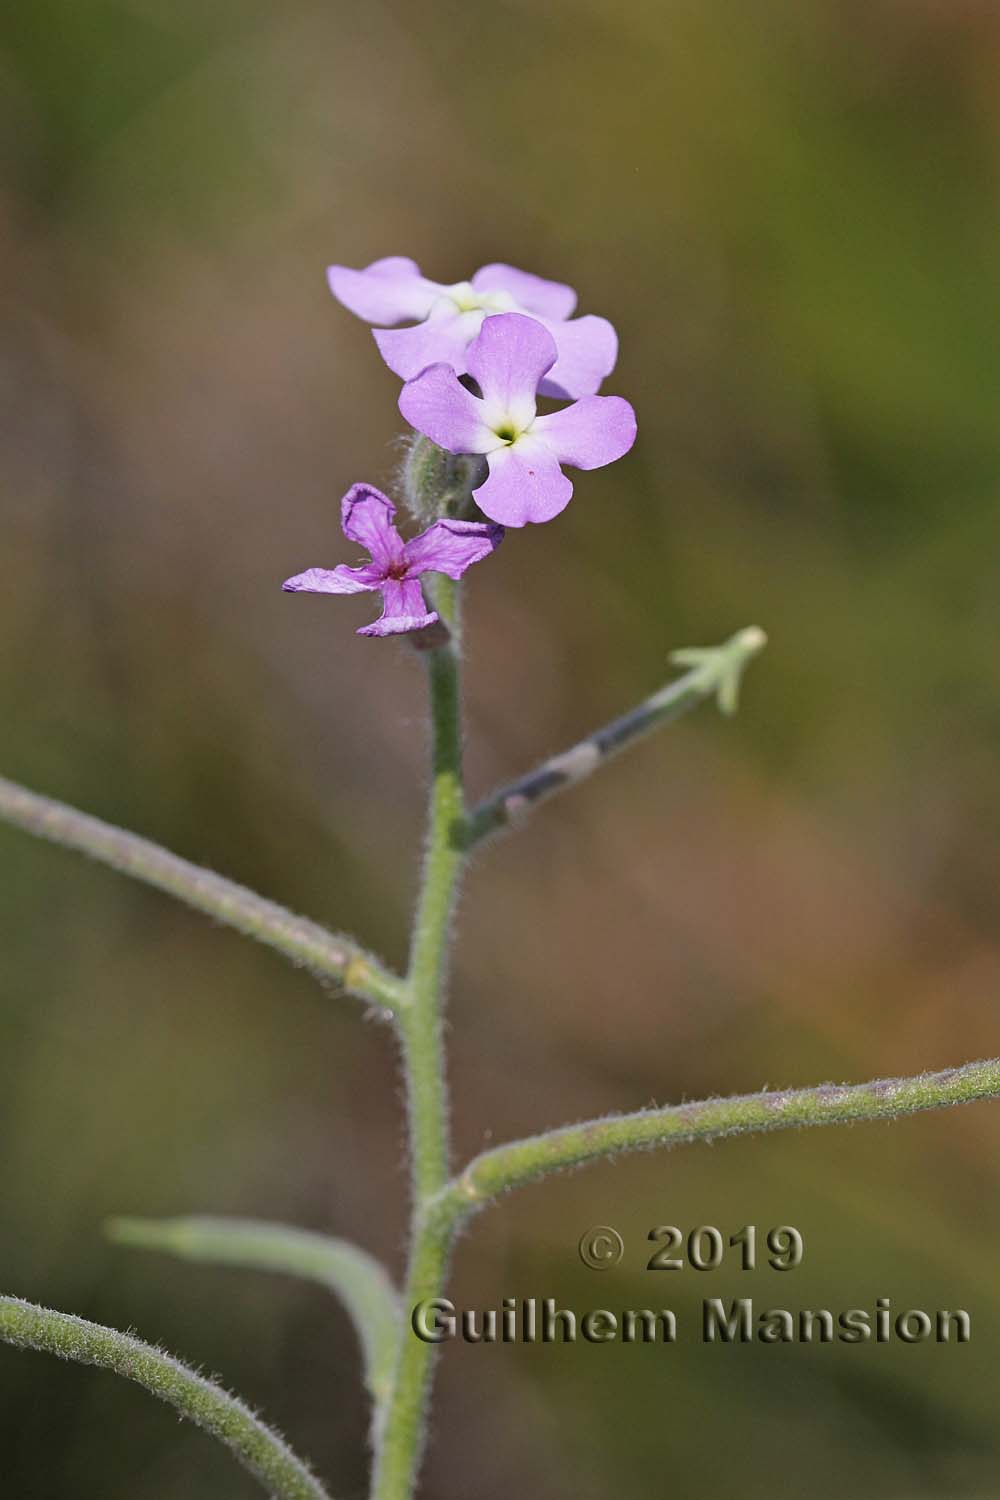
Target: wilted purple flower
<point>396,566</point>
<point>523,450</point>
<point>448,318</point>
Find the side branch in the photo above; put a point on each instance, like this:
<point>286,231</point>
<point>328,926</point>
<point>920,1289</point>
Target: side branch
<point>715,672</point>
<point>255,1445</point>
<point>326,954</point>
<point>492,1173</point>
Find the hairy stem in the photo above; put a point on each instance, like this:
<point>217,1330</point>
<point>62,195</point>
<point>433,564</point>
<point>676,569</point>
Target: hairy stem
<point>357,1278</point>
<point>327,954</point>
<point>716,673</point>
<point>257,1447</point>
<point>401,1423</point>
<point>421,1026</point>
<point>513,1165</point>
<point>400,1440</point>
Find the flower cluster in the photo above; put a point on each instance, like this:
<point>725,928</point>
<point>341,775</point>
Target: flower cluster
<point>475,358</point>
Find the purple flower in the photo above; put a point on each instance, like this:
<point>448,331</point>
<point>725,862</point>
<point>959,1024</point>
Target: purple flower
<point>394,571</point>
<point>523,450</point>
<point>448,318</point>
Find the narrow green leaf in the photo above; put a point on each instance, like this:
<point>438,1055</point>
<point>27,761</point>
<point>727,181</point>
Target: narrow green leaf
<point>357,1278</point>
<point>257,1447</point>
<point>330,955</point>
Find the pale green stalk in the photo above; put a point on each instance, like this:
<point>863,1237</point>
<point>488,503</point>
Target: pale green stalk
<point>400,1441</point>
<point>422,1023</point>
<point>257,1447</point>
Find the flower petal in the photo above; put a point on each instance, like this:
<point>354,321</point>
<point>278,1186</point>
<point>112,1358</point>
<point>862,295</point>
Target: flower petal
<point>508,359</point>
<point>451,546</point>
<point>590,433</point>
<point>388,291</point>
<point>442,339</point>
<point>551,299</point>
<point>404,609</point>
<point>366,518</point>
<point>340,580</point>
<point>588,349</point>
<point>525,484</point>
<point>440,407</point>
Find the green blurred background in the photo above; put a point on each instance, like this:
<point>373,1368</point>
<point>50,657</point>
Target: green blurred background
<point>791,212</point>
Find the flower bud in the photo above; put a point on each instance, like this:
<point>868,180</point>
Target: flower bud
<point>439,484</point>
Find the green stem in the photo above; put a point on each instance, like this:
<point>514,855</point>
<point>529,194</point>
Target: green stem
<point>327,954</point>
<point>401,1423</point>
<point>421,1023</point>
<point>520,1162</point>
<point>257,1447</point>
<point>399,1443</point>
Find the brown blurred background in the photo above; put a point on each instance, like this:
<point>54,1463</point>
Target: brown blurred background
<point>790,210</point>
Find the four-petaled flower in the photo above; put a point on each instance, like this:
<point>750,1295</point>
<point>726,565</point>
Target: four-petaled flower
<point>396,566</point>
<point>448,318</point>
<point>523,451</point>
